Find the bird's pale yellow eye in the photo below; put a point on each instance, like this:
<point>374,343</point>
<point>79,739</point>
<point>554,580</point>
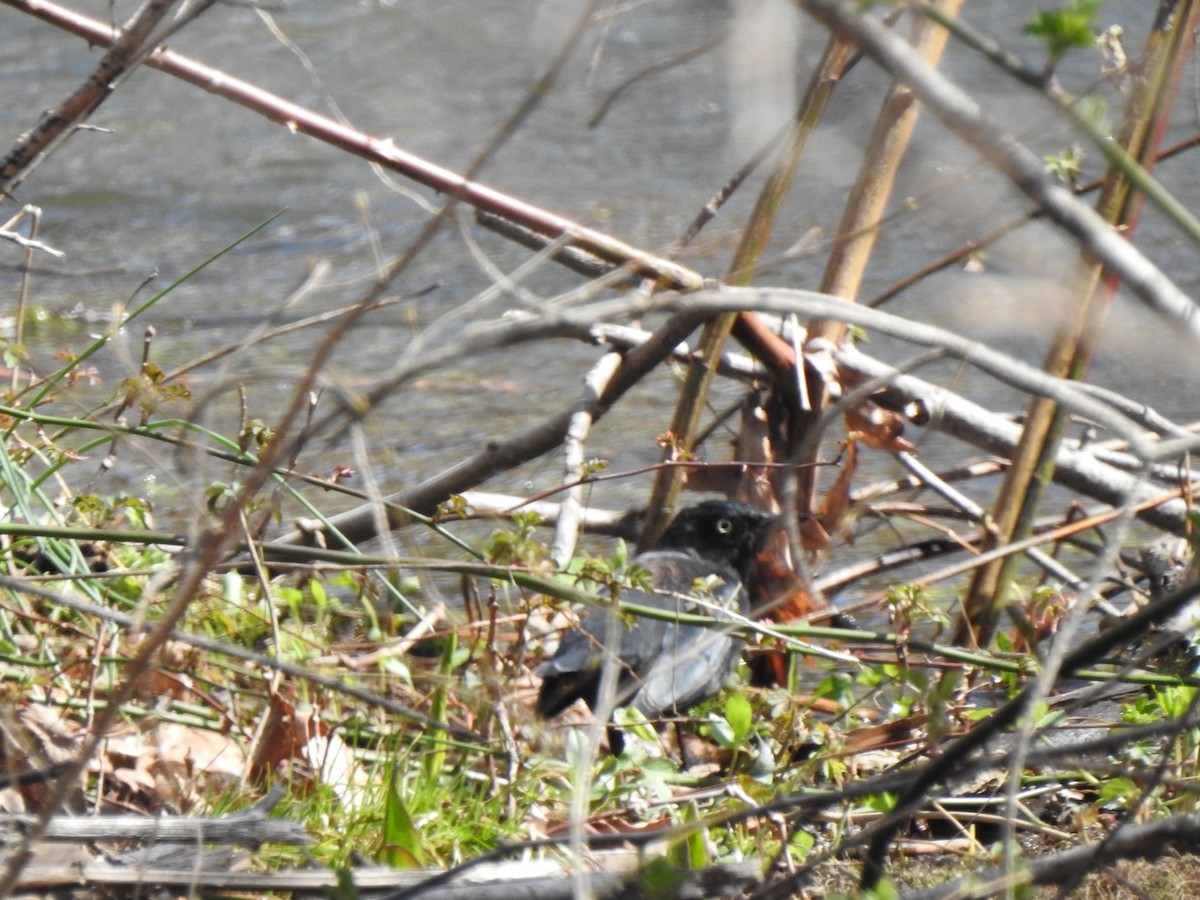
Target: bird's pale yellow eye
<point>724,526</point>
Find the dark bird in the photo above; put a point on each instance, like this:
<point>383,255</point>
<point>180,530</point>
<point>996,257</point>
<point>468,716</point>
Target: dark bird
<point>704,555</point>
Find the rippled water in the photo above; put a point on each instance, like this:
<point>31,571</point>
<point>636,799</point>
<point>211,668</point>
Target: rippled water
<point>180,174</point>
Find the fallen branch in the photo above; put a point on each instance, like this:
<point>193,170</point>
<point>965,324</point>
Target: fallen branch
<point>1077,468</point>
<point>495,882</point>
<point>249,828</point>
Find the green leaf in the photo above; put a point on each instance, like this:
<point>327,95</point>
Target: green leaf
<point>620,556</point>
<point>883,803</point>
<point>1175,700</point>
<point>1063,29</point>
<point>739,715</point>
<point>720,731</point>
<point>695,845</point>
<point>320,599</point>
<point>1066,166</point>
<point>1118,790</point>
<point>633,721</point>
<point>801,844</point>
<point>402,846</point>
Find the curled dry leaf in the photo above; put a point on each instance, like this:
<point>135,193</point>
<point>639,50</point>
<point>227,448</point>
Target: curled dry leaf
<point>813,536</point>
<point>717,479</point>
<point>776,591</point>
<point>195,757</point>
<point>878,428</point>
<point>887,735</point>
<point>129,762</point>
<point>296,735</point>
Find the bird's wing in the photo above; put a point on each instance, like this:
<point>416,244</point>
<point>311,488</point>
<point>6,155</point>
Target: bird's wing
<point>692,668</point>
<point>647,646</point>
<point>687,664</point>
<point>573,673</point>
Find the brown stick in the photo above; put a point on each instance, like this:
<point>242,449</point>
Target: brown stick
<point>872,189</point>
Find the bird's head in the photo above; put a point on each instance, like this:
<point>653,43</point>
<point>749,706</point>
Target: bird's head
<point>720,531</point>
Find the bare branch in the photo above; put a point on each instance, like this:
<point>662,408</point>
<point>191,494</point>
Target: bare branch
<point>125,51</point>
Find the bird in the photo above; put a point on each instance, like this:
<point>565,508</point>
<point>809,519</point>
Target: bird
<point>705,554</point>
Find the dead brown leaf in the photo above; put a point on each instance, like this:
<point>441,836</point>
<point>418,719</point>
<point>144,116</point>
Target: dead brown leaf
<point>296,735</point>
<point>878,428</point>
